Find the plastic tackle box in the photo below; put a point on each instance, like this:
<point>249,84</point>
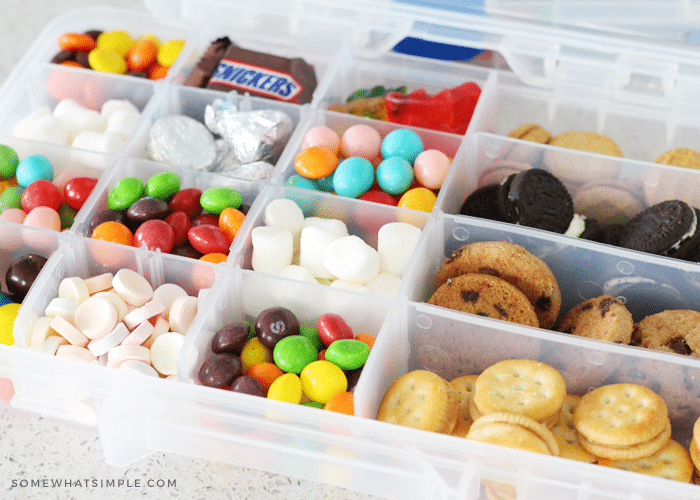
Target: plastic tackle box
<point>639,91</point>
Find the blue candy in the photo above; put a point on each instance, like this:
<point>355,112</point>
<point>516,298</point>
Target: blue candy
<point>394,175</point>
<point>300,181</point>
<point>33,168</point>
<point>404,143</point>
<point>353,177</point>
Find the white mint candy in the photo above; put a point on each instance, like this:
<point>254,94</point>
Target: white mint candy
<point>23,128</point>
<point>100,142</point>
<point>312,246</point>
<point>122,122</point>
<point>285,213</point>
<point>395,244</point>
<point>298,273</point>
<point>78,118</point>
<point>350,258</point>
<point>384,285</point>
<point>335,226</point>
<point>349,285</point>
<point>49,129</point>
<point>273,247</point>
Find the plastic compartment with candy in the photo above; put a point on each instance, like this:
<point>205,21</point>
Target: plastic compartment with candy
<point>324,239</point>
<point>52,353</point>
<point>166,204</point>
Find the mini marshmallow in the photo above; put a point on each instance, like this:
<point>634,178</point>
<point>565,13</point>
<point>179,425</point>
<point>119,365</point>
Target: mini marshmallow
<point>349,285</point>
<point>122,122</point>
<point>350,258</point>
<point>78,118</point>
<point>100,142</point>
<point>286,213</point>
<point>113,105</point>
<point>298,273</point>
<point>23,128</point>
<point>334,226</point>
<point>49,129</point>
<point>384,285</point>
<point>312,246</point>
<point>273,248</point>
<point>395,244</point>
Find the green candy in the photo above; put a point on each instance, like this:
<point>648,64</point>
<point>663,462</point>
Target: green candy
<point>314,404</point>
<point>67,215</point>
<point>311,333</point>
<point>124,193</point>
<point>8,162</point>
<point>11,197</point>
<point>163,185</point>
<point>293,353</point>
<point>215,199</point>
<point>347,354</point>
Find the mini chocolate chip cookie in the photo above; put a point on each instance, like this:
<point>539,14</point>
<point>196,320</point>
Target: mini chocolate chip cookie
<point>676,330</point>
<point>602,318</point>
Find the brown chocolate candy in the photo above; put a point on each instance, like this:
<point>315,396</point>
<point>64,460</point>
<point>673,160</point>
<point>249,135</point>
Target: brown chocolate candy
<point>21,274</point>
<point>275,323</point>
<point>231,338</point>
<point>220,370</point>
<point>248,385</point>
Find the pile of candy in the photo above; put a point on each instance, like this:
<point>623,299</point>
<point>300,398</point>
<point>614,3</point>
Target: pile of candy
<point>118,52</point>
<point>32,195</point>
<point>395,170</point>
<point>279,359</point>
<point>161,216</point>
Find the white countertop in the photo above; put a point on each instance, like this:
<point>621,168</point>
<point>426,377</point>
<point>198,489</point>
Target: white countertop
<point>35,447</point>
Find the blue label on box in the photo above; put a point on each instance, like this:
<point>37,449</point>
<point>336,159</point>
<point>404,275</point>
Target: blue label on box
<point>256,80</point>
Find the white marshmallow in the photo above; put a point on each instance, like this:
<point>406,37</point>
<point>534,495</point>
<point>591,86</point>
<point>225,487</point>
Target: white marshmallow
<point>23,128</point>
<point>49,129</point>
<point>350,258</point>
<point>395,244</point>
<point>273,247</point>
<point>335,226</point>
<point>297,273</point>
<point>122,122</point>
<point>385,285</point>
<point>113,105</point>
<point>349,285</point>
<point>312,245</point>
<point>285,213</point>
<point>78,118</point>
<point>101,142</point>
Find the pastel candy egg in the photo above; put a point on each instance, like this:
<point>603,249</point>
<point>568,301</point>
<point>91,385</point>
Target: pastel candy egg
<point>360,140</point>
<point>353,177</point>
<point>430,168</point>
<point>299,181</point>
<point>348,354</point>
<point>321,135</point>
<point>404,143</point>
<point>320,380</point>
<point>394,175</point>
<point>32,168</point>
<point>15,215</point>
<point>215,199</point>
<point>293,353</point>
<point>124,193</point>
<point>315,162</point>
<point>350,258</point>
<point>43,217</point>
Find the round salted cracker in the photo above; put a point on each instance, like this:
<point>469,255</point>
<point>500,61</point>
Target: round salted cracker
<point>566,434</point>
<point>680,157</point>
<point>531,132</point>
<point>587,141</point>
<point>487,296</point>
<point>514,264</point>
<point>672,461</point>
<point>601,318</point>
<point>464,386</point>
<point>675,330</point>
<point>513,426</point>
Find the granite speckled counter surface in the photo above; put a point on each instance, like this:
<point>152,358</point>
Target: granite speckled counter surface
<point>36,448</point>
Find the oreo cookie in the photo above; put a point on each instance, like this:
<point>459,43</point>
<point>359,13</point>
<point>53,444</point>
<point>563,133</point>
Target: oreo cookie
<point>536,198</point>
<point>669,228</point>
<point>484,203</point>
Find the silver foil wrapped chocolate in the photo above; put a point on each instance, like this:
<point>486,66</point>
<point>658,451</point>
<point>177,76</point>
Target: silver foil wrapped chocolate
<point>182,141</point>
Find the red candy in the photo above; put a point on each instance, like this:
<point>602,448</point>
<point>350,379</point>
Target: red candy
<point>40,193</point>
<point>205,220</point>
<point>180,224</point>
<point>206,238</point>
<point>77,191</point>
<point>187,200</point>
<point>332,327</point>
<point>155,234</point>
<point>379,196</point>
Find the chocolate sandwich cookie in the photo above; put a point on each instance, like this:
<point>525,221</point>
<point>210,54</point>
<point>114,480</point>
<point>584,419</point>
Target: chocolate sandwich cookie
<point>668,228</point>
<point>676,330</point>
<point>535,198</point>
<point>484,203</point>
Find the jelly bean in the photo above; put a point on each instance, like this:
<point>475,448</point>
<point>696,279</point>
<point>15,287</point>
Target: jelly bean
<point>77,191</point>
<point>21,274</point>
<point>147,208</point>
<point>311,333</point>
<point>187,200</point>
<point>163,185</point>
<point>430,168</point>
<point>40,193</point>
<point>220,370</point>
<point>8,162</point>
<point>404,143</point>
<point>208,239</point>
<point>32,168</point>
<point>322,379</point>
<point>254,352</point>
<point>366,338</point>
<point>67,215</point>
<point>107,61</point>
<point>419,198</point>
<point>248,385</point>
<point>293,353</point>
<point>265,373</point>
<point>8,314</point>
<point>353,177</point>
<point>205,220</point>
<point>332,327</point>
<point>342,402</point>
<point>76,41</point>
<point>15,215</point>
<point>299,181</point>
<point>214,258</point>
<point>108,215</point>
<point>230,221</point>
<point>124,193</point>
<point>360,140</point>
<point>142,54</point>
<point>43,217</point>
<point>348,354</point>
<point>231,337</point>
<point>286,388</point>
<point>181,224</point>
<point>155,234</point>
<point>215,199</point>
<point>321,135</point>
<point>169,51</point>
<point>275,323</point>
<point>377,196</point>
<point>394,175</point>
<point>114,232</point>
<point>118,41</point>
<point>315,162</point>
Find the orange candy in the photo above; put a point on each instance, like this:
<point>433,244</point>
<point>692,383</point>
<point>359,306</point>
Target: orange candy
<point>322,355</point>
<point>6,183</point>
<point>74,64</point>
<point>316,162</point>
<point>113,232</point>
<point>214,258</point>
<point>157,72</point>
<point>366,338</point>
<point>342,402</point>
<point>265,373</point>
<point>142,54</point>
<point>76,41</point>
<point>230,221</point>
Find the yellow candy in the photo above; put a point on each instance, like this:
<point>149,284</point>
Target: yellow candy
<point>107,61</point>
<point>254,352</point>
<point>117,41</point>
<point>286,388</point>
<point>150,36</point>
<point>322,379</point>
<point>8,313</point>
<point>168,52</point>
<point>419,198</point>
